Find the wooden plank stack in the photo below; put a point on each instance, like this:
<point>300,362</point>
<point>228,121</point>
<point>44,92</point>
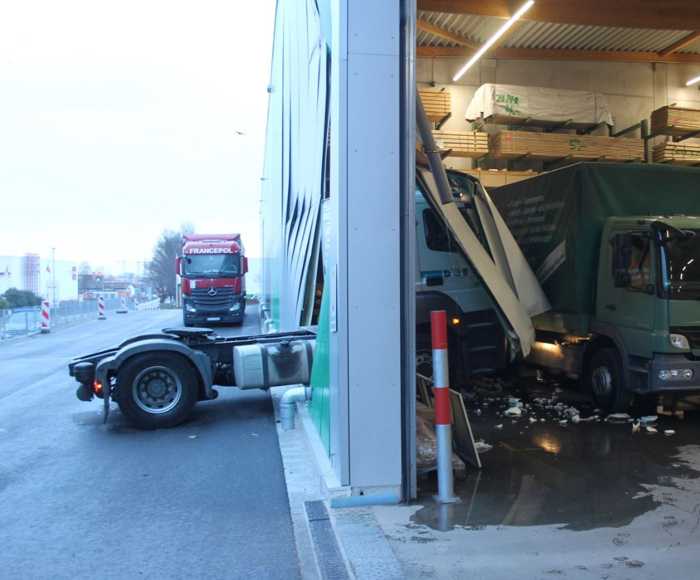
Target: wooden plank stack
<point>550,146</point>
<point>463,144</point>
<point>437,104</point>
<point>675,121</point>
<point>499,177</point>
<point>683,153</point>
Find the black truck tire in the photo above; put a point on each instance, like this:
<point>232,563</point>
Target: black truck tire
<point>157,390</point>
<point>605,377</point>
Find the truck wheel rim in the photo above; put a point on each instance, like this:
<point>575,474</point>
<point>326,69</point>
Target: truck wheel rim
<point>602,382</point>
<point>157,390</point>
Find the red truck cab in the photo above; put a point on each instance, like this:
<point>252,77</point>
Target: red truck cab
<point>212,268</point>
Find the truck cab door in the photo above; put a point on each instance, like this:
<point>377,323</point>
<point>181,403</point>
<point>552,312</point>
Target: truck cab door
<point>441,266</point>
<point>627,288</point>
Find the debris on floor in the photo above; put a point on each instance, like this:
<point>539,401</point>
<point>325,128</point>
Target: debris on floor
<point>426,442</point>
<point>618,418</point>
<point>482,446</point>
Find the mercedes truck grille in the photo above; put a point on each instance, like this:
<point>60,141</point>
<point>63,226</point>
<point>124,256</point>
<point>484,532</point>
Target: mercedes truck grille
<point>213,298</point>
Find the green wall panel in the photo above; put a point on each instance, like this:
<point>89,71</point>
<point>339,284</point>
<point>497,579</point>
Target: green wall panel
<point>320,377</point>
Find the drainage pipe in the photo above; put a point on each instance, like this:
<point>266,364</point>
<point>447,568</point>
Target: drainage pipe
<point>288,405</point>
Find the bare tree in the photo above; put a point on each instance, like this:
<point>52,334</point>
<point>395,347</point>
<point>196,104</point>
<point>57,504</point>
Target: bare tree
<point>161,269</point>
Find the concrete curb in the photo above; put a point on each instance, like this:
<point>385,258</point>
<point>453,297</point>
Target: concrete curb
<point>366,552</point>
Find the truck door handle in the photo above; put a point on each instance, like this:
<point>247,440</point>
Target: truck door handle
<point>611,307</point>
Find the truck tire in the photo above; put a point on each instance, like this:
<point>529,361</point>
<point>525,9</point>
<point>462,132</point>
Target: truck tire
<point>604,376</point>
<point>157,390</point>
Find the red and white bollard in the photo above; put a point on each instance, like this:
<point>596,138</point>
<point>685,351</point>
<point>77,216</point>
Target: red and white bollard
<point>443,412</point>
<point>101,308</point>
<point>45,317</point>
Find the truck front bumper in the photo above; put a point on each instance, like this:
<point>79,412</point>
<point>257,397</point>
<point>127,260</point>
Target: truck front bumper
<point>673,373</point>
<point>201,316</point>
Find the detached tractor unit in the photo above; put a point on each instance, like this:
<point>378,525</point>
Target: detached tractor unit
<point>156,379</point>
<point>212,269</point>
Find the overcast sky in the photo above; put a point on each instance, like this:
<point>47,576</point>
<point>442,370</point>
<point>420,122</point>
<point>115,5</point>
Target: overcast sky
<point>120,119</point>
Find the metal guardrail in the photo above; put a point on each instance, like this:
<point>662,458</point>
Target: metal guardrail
<point>150,305</point>
<point>26,320</point>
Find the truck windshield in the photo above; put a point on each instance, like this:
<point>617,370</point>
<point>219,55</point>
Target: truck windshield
<point>212,265</point>
<point>682,264</point>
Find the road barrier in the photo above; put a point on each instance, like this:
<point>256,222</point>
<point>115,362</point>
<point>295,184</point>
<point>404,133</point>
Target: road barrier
<point>150,305</point>
<point>27,320</point>
<point>101,308</point>
<point>45,325</point>
<point>443,412</point>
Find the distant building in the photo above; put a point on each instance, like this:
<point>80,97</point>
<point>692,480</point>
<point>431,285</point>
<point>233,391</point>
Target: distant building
<point>32,272</point>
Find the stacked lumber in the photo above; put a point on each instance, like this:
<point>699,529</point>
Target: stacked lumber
<point>684,153</point>
<point>549,146</point>
<point>499,177</point>
<point>675,121</point>
<point>463,144</point>
<point>437,104</point>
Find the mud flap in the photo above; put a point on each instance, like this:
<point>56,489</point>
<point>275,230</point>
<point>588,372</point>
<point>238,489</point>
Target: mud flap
<point>105,403</point>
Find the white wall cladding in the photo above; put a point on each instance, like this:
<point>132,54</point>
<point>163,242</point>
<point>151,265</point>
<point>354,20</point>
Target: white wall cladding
<point>293,171</point>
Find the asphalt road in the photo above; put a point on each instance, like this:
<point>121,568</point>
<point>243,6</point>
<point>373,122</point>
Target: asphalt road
<point>79,499</point>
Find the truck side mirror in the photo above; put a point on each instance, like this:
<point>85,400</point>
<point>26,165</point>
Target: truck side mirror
<point>245,265</point>
<point>178,266</point>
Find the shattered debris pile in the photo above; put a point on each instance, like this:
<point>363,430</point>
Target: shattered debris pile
<point>506,399</point>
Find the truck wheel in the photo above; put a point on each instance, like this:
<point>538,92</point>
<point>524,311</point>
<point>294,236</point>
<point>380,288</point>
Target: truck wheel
<point>157,390</point>
<point>604,376</point>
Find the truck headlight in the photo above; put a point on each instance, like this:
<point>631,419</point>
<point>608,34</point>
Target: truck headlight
<point>189,307</point>
<point>679,341</point>
<point>235,307</point>
<point>676,374</point>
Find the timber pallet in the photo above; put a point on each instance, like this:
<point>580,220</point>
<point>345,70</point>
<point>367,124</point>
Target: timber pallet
<point>677,153</point>
<point>678,122</point>
<point>471,144</point>
<point>565,146</point>
<point>437,105</point>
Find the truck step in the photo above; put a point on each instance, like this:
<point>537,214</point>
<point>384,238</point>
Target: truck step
<point>483,348</point>
<point>480,325</point>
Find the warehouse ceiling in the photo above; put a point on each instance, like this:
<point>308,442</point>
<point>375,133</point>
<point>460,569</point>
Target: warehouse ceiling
<point>599,30</point>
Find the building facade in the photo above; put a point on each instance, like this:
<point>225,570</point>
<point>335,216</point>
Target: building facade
<point>337,227</point>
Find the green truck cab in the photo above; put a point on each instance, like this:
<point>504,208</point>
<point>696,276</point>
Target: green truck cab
<point>616,249</point>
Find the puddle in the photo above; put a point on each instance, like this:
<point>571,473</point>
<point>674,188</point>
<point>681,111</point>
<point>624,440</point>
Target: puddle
<point>580,476</point>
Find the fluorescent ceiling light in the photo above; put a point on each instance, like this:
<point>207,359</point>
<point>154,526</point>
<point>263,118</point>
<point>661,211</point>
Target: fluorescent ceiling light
<point>491,41</point>
<point>692,82</point>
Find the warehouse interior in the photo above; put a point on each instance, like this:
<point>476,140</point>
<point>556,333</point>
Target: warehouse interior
<point>548,454</point>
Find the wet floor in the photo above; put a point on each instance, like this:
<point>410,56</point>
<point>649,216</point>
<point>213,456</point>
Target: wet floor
<point>580,475</point>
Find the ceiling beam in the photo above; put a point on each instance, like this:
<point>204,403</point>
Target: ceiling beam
<point>555,54</point>
<point>654,14</point>
<point>426,26</point>
<point>682,43</point>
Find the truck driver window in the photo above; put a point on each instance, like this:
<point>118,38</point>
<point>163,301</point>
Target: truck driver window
<point>632,261</point>
<point>640,262</point>
<point>437,237</point>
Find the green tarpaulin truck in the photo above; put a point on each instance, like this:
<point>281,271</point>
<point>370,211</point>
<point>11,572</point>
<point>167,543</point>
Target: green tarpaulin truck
<point>617,252</point>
